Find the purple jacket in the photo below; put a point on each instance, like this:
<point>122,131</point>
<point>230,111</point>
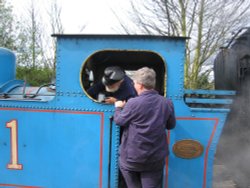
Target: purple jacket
<point>145,119</point>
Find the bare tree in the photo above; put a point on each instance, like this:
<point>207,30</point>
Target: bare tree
<point>56,27</point>
<point>30,39</point>
<point>55,17</point>
<point>207,22</point>
<point>7,28</point>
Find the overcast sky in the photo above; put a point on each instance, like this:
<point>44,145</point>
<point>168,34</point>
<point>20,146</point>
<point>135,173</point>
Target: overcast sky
<point>95,14</point>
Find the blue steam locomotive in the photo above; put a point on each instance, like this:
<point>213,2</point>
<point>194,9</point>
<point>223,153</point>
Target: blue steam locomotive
<point>57,136</point>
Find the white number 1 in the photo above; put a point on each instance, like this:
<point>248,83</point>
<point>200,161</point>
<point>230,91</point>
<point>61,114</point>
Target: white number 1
<point>14,146</point>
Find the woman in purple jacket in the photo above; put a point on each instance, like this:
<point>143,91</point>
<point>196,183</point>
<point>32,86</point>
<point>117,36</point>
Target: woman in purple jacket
<point>144,146</point>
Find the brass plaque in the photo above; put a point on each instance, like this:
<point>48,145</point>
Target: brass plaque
<point>188,149</point>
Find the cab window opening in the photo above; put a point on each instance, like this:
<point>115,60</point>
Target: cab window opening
<point>93,69</point>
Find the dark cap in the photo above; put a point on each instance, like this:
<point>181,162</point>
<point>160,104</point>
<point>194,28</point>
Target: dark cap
<point>112,75</point>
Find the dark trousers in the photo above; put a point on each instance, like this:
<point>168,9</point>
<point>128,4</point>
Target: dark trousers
<point>143,179</point>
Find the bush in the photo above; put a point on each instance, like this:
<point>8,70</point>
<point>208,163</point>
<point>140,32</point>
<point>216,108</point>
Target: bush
<point>35,76</point>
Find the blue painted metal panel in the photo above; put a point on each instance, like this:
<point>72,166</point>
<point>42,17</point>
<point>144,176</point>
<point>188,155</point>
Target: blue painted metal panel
<point>74,52</point>
<point>8,65</point>
<point>195,172</point>
<point>56,148</point>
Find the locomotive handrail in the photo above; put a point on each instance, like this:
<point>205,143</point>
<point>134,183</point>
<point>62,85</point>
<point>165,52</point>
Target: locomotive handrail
<point>10,85</point>
<point>210,110</point>
<point>111,118</point>
<point>210,92</point>
<point>21,99</point>
<point>7,92</point>
<point>209,101</point>
<point>29,95</point>
<point>37,92</point>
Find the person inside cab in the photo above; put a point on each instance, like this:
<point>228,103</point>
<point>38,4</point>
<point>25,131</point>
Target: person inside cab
<point>115,85</point>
